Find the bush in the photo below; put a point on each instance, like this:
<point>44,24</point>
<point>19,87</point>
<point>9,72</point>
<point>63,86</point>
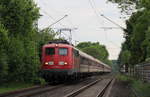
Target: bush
<point>3,55</point>
<point>39,81</point>
<point>124,78</point>
<point>141,88</point>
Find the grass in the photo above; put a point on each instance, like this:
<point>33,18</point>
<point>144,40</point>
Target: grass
<point>12,86</point>
<point>141,88</point>
<point>7,87</point>
<point>124,78</point>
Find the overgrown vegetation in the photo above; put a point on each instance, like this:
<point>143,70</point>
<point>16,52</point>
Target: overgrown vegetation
<point>124,78</point>
<point>7,87</point>
<point>139,88</point>
<point>142,89</point>
<point>96,50</point>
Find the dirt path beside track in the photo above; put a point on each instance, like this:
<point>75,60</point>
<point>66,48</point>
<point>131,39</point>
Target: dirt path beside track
<point>120,89</point>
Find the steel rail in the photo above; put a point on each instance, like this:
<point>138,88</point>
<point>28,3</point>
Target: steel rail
<point>101,94</point>
<point>51,89</point>
<point>74,93</point>
<point>41,91</point>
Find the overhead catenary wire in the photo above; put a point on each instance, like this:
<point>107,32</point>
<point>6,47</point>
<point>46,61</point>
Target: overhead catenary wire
<point>94,9</point>
<point>98,14</point>
<point>112,21</point>
<point>46,13</point>
<point>51,17</point>
<point>68,20</point>
<point>102,15</point>
<point>105,28</point>
<point>56,22</point>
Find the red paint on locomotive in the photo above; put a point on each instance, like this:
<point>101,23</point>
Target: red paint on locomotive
<point>60,57</point>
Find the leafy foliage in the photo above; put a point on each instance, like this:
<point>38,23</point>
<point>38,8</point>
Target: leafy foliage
<point>131,6</point>
<point>18,16</point>
<point>3,56</point>
<point>96,50</point>
<point>20,40</point>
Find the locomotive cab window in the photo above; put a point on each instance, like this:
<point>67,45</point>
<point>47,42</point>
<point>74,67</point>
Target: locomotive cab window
<point>63,51</point>
<point>50,51</point>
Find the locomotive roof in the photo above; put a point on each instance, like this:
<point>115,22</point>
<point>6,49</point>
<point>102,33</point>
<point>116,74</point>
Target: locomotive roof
<point>59,41</point>
<point>60,44</point>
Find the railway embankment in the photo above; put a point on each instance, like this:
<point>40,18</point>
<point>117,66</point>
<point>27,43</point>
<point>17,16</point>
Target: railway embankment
<point>14,86</point>
<point>126,86</point>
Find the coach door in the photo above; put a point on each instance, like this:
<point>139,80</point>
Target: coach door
<point>76,59</point>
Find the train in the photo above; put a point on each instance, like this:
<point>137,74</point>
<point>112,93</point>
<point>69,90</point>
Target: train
<point>61,60</point>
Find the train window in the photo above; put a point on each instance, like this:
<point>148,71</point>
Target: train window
<point>63,51</point>
<point>76,53</point>
<point>82,60</point>
<point>50,51</point>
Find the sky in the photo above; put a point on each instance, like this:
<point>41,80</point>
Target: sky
<point>85,16</point>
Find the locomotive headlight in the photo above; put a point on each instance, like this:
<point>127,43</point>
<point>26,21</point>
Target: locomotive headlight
<point>51,63</point>
<point>61,63</point>
<point>65,63</point>
<point>46,63</point>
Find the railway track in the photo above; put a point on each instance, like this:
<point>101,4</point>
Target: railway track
<point>79,89</point>
<point>30,91</point>
<point>34,91</point>
<point>68,88</point>
<point>103,92</point>
<point>85,91</point>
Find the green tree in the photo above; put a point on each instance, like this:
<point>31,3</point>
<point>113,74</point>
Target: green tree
<point>3,55</point>
<point>96,50</point>
<point>146,44</point>
<point>83,45</point>
<point>18,16</point>
<point>16,53</point>
<point>125,57</point>
<point>31,60</point>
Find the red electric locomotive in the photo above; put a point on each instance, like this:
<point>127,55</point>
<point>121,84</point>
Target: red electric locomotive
<point>60,60</point>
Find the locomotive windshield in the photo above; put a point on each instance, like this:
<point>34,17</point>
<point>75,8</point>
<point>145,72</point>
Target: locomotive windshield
<point>63,51</point>
<point>50,51</point>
